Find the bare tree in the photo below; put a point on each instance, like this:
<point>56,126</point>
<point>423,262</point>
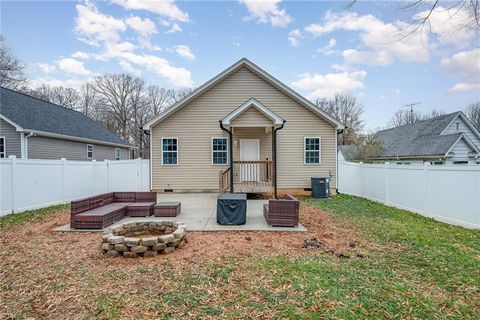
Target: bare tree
<point>178,94</point>
<point>11,70</point>
<point>158,99</point>
<point>88,101</point>
<point>65,97</point>
<point>348,110</point>
<point>118,98</point>
<point>404,116</point>
<point>473,113</point>
<point>368,146</point>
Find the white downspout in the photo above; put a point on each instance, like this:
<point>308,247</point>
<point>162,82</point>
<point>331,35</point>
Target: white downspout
<point>26,144</point>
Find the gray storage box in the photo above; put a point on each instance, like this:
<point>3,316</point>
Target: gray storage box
<point>320,187</point>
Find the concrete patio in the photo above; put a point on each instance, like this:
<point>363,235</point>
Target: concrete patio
<point>199,214</point>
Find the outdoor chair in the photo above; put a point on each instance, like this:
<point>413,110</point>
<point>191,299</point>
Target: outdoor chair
<point>282,212</point>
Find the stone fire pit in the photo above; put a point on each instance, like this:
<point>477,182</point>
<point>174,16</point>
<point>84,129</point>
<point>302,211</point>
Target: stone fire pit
<point>144,238</point>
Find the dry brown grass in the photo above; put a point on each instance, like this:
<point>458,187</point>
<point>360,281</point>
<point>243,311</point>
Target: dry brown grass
<point>62,275</point>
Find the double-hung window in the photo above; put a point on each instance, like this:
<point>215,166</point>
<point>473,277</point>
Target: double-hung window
<point>219,151</point>
<point>89,151</point>
<point>312,150</point>
<point>169,151</point>
<point>2,147</point>
<point>117,153</point>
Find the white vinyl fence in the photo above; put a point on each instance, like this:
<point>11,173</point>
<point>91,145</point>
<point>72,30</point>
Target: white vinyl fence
<point>449,193</point>
<point>30,184</point>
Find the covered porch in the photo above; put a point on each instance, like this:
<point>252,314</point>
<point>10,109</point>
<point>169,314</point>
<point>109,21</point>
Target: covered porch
<point>252,128</point>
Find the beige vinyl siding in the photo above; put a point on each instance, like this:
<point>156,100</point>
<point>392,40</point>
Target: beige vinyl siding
<point>197,122</point>
<point>253,133</point>
<point>12,139</point>
<point>50,148</point>
<point>251,118</point>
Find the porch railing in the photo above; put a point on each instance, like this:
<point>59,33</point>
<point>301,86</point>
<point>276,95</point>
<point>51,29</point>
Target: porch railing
<point>254,173</point>
<point>247,173</point>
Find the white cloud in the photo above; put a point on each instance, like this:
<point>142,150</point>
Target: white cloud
<point>144,27</point>
<point>384,42</point>
<point>174,27</point>
<point>73,67</point>
<point>96,27</point>
<point>267,11</point>
<point>450,25</point>
<point>294,37</point>
<point>46,67</point>
<point>185,52</point>
<point>328,48</point>
<point>53,82</point>
<point>81,55</point>
<point>321,86</point>
<point>129,68</point>
<point>166,8</point>
<point>396,91</point>
<point>467,65</point>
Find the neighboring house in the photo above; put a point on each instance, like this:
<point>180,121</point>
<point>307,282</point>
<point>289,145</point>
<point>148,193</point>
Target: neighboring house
<point>348,153</point>
<point>31,128</point>
<point>447,139</point>
<point>242,131</point>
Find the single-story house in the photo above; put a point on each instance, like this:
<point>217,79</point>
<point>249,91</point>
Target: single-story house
<point>447,139</point>
<point>242,131</point>
<point>31,128</point>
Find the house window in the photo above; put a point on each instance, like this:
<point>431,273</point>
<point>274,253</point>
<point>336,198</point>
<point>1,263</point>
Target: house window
<point>219,150</point>
<point>437,163</point>
<point>89,151</point>
<point>2,147</point>
<point>460,162</point>
<point>312,150</point>
<point>117,153</point>
<point>169,151</point>
<point>457,126</point>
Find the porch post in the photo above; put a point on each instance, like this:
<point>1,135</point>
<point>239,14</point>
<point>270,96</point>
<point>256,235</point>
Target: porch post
<point>274,149</point>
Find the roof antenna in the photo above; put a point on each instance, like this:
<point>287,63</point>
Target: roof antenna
<point>411,109</point>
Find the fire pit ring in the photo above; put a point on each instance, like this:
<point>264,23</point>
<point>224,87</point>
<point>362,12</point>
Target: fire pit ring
<point>144,238</point>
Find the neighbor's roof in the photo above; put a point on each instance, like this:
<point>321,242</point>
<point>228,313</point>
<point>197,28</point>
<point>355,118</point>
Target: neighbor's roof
<point>350,152</point>
<point>421,138</point>
<point>244,62</point>
<point>30,114</point>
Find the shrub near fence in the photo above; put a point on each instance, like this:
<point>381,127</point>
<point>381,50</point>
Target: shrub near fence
<point>29,184</point>
<point>449,193</point>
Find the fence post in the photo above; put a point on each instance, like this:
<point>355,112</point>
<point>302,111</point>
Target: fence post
<point>139,174</point>
<point>426,166</point>
<point>387,182</point>
<point>64,163</point>
<point>107,162</point>
<point>13,160</point>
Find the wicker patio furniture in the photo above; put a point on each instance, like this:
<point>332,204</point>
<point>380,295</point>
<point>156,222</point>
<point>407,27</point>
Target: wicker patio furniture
<point>167,209</point>
<point>282,212</point>
<point>103,210</point>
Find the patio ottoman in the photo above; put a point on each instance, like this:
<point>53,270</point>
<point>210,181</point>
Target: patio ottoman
<point>140,209</point>
<point>232,208</point>
<point>167,209</point>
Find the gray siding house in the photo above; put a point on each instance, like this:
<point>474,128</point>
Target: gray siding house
<point>31,128</point>
<point>447,139</point>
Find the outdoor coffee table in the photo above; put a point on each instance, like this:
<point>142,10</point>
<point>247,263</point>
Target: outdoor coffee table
<point>232,208</point>
<point>167,209</point>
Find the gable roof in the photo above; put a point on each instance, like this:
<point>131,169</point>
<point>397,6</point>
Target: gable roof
<point>30,114</point>
<point>349,151</point>
<point>420,139</point>
<point>252,102</point>
<point>244,62</point>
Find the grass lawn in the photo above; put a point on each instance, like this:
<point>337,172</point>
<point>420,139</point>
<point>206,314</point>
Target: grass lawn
<point>372,262</point>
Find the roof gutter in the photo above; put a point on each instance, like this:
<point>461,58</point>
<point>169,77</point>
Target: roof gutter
<point>73,138</point>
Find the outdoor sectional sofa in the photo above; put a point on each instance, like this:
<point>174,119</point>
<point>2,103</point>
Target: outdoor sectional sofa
<point>101,211</point>
<point>282,212</point>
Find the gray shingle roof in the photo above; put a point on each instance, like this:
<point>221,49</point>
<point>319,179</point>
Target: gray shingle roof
<point>350,152</point>
<point>418,139</point>
<point>35,114</point>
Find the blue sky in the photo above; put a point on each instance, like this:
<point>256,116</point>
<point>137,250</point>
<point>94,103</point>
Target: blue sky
<point>317,48</point>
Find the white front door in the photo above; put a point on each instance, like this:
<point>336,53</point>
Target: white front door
<point>249,151</point>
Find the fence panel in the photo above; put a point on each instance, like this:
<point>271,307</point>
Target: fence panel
<point>449,193</point>
<point>29,184</point>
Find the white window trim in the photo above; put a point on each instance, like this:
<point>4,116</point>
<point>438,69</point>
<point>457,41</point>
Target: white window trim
<point>211,152</point>
<point>178,153</point>
<point>119,153</point>
<point>305,151</point>
<point>4,147</point>
<point>93,151</point>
